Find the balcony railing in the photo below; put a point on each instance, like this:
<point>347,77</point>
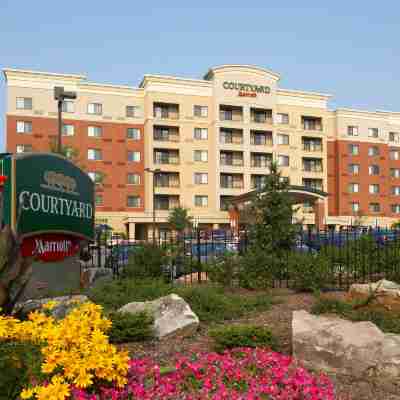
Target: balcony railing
<point>312,147</point>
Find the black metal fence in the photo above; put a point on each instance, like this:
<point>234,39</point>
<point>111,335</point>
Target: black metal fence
<point>353,254</point>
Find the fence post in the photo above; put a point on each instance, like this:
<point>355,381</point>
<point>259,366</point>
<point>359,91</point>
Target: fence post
<point>198,257</point>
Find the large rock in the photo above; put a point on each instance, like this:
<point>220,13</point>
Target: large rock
<point>338,346</point>
<point>386,295</point>
<point>64,305</point>
<point>172,315</point>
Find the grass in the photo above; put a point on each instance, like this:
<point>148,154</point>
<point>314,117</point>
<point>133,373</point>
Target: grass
<point>210,303</point>
<point>386,321</point>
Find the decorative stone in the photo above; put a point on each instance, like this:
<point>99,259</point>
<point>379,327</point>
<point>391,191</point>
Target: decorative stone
<point>64,305</point>
<point>338,346</point>
<point>172,315</point>
<point>386,295</point>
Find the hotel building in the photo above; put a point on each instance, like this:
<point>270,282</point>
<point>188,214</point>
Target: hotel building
<point>212,139</point>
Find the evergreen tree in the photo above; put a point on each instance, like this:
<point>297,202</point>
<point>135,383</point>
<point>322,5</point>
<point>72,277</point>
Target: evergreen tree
<point>179,219</point>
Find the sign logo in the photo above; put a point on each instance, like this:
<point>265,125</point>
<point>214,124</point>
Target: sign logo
<point>246,89</point>
<point>59,182</point>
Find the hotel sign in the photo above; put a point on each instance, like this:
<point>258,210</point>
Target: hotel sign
<point>49,201</point>
<point>246,89</point>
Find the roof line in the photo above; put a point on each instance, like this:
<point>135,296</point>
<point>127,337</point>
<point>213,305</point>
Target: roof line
<point>27,71</point>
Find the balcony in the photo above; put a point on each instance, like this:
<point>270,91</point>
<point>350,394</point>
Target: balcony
<point>162,156</point>
<point>260,160</point>
<point>311,123</point>
<point>231,158</point>
<point>260,115</point>
<point>258,181</point>
<point>231,181</point>
<point>313,184</point>
<point>224,202</point>
<point>230,136</point>
<point>165,202</point>
<point>261,138</point>
<point>166,133</point>
<point>166,110</point>
<point>230,113</point>
<point>312,144</point>
<point>166,180</point>
<point>312,165</point>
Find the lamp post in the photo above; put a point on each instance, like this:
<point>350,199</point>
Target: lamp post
<point>154,172</point>
<point>60,95</point>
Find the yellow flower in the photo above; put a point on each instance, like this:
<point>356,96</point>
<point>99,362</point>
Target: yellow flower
<point>27,393</point>
<point>50,304</point>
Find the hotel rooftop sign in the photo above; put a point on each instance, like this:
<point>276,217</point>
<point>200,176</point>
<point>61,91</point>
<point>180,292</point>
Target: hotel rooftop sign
<point>45,194</point>
<point>246,89</point>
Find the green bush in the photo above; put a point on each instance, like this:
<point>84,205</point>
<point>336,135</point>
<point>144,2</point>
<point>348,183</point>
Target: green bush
<point>18,363</point>
<point>385,320</point>
<point>309,272</point>
<point>128,327</point>
<point>113,295</point>
<point>146,261</point>
<point>224,270</point>
<point>230,337</point>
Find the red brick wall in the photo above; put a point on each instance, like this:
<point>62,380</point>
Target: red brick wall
<point>113,144</point>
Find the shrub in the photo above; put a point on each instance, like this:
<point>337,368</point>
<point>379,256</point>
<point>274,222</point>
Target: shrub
<point>146,261</point>
<point>224,270</point>
<point>230,337</point>
<point>127,327</point>
<point>21,361</point>
<point>308,271</point>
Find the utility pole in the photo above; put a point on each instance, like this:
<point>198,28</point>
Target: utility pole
<point>60,95</point>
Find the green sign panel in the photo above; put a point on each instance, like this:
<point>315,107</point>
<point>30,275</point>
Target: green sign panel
<point>46,193</point>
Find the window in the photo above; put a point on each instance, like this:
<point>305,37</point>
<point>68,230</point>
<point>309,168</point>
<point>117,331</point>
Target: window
<point>394,155</point>
<point>201,201</point>
<point>281,118</point>
<point>260,160</point>
<point>395,172</point>
<point>355,206</point>
<point>98,200</point>
<point>133,201</point>
<point>312,164</point>
<point>374,188</point>
<point>24,127</point>
<point>373,169</point>
<point>352,130</point>
<point>134,156</point>
<point>132,111</point>
<point>95,131</point>
<point>311,123</point>
<point>311,144</point>
<point>258,181</point>
<point>373,132</point>
<point>96,177</point>
<point>283,161</point>
<point>24,148</point>
<point>373,151</point>
<point>396,190</point>
<point>68,130</point>
<point>68,106</point>
<point>24,103</point>
<point>283,139</point>
<point>315,184</point>
<point>133,179</point>
<point>354,149</point>
<point>394,137</point>
<point>354,188</point>
<point>200,133</point>
<point>133,133</point>
<point>94,154</point>
<point>200,111</point>
<point>395,208</point>
<point>201,155</point>
<point>374,207</point>
<point>231,181</point>
<point>200,178</point>
<point>354,169</point>
<point>95,108</point>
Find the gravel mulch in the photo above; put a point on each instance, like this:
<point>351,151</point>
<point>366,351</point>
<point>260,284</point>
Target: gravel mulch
<point>279,318</point>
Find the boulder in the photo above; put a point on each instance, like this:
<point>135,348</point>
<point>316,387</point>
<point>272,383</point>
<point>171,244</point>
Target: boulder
<point>338,346</point>
<point>386,295</point>
<point>64,305</point>
<point>172,315</point>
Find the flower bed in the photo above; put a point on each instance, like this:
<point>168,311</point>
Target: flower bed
<point>238,374</point>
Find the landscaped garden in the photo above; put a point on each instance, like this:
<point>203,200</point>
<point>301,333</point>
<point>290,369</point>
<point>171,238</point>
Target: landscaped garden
<point>141,336</point>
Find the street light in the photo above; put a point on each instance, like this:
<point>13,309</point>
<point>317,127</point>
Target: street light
<point>60,95</point>
<point>154,172</point>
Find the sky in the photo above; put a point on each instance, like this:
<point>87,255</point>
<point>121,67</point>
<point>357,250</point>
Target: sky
<point>349,49</point>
